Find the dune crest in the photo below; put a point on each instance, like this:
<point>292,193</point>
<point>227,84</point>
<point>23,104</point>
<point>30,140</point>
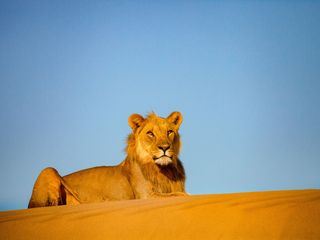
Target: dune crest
<point>259,215</point>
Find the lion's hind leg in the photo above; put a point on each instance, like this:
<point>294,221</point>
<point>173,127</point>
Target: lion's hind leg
<point>47,189</point>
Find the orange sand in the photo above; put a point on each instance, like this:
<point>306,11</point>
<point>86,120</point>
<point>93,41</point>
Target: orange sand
<point>261,215</point>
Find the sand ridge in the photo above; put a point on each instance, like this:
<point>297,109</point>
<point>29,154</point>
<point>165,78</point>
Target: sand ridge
<point>258,215</point>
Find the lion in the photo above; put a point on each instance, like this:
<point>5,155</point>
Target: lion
<point>151,169</point>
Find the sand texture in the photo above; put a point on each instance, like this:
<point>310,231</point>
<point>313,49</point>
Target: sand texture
<point>259,215</point>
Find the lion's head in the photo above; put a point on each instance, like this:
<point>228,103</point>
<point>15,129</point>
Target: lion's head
<point>155,139</point>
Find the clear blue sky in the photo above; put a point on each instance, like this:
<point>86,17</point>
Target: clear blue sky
<point>245,75</point>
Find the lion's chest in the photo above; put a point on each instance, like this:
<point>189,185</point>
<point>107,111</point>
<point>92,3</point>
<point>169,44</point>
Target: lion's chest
<point>164,180</point>
<point>163,185</point>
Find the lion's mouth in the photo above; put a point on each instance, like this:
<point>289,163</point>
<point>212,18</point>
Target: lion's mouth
<point>165,156</point>
<point>164,160</point>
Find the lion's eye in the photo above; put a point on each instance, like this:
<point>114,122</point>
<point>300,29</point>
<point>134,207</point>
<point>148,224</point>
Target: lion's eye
<point>170,132</point>
<point>150,134</point>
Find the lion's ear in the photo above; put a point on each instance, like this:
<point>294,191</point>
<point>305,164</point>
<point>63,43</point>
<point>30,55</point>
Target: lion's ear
<point>135,121</point>
<point>175,118</point>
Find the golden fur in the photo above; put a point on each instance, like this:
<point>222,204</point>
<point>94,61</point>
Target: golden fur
<point>151,169</point>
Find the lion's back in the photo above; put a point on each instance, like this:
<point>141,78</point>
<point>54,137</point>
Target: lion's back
<point>99,184</point>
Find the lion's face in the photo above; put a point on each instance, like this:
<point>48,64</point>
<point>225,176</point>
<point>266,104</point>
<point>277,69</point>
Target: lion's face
<point>157,139</point>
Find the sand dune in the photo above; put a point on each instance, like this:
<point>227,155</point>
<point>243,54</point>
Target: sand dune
<point>260,215</point>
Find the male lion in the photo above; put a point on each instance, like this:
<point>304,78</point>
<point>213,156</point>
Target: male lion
<point>151,169</point>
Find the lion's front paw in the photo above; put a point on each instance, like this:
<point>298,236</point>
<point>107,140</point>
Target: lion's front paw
<point>180,194</point>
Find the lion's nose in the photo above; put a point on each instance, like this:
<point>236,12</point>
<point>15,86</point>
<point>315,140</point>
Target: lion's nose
<point>164,147</point>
